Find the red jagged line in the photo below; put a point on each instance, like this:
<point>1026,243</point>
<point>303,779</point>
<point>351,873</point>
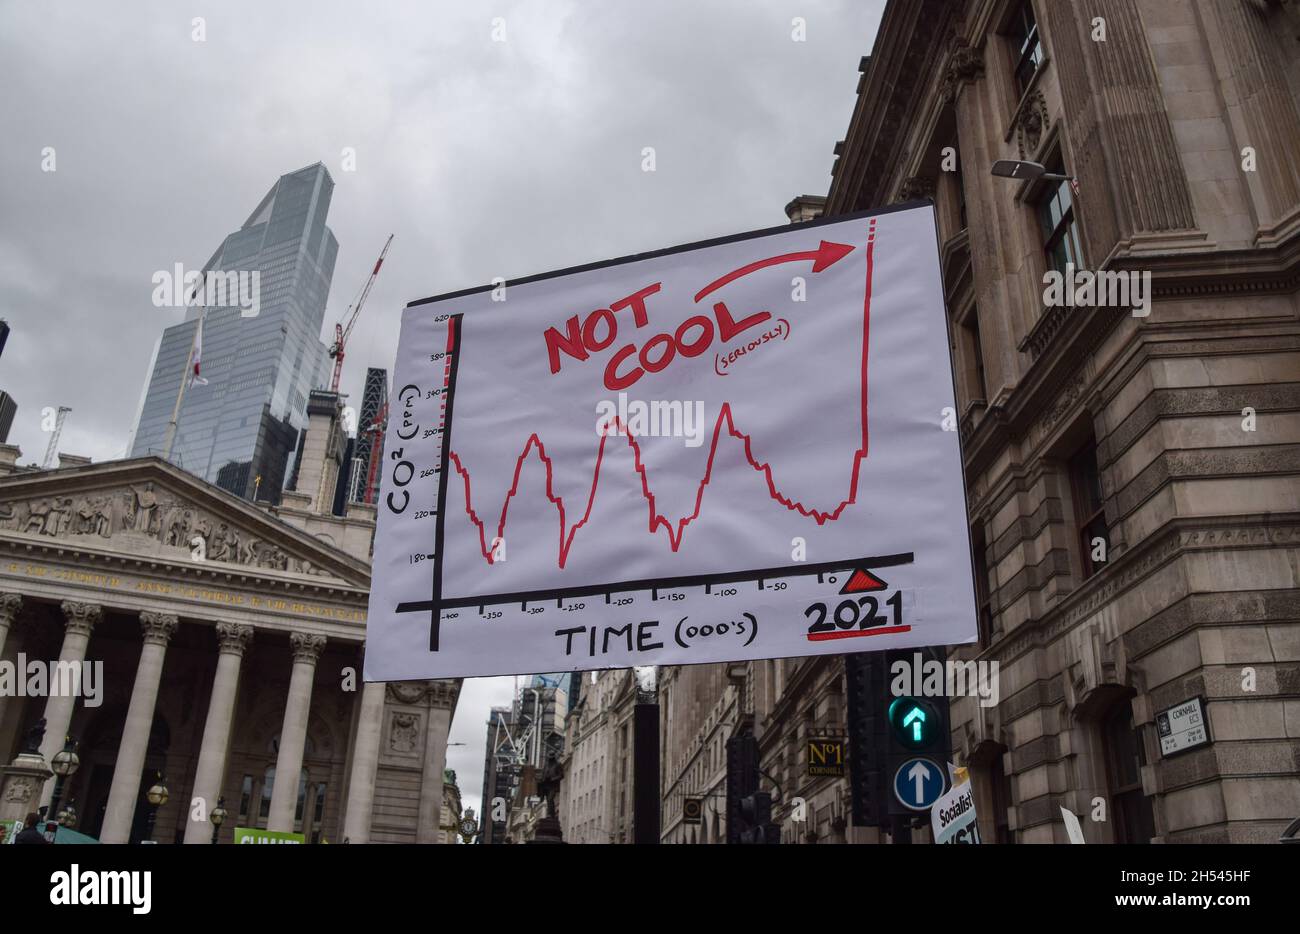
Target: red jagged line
<point>657,520</point>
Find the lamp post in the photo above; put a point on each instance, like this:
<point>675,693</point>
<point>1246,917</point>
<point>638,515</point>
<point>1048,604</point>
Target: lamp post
<point>218,817</point>
<point>64,764</point>
<point>157,797</point>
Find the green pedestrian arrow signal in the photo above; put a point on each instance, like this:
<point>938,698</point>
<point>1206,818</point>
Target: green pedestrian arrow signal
<point>914,722</point>
<point>915,717</point>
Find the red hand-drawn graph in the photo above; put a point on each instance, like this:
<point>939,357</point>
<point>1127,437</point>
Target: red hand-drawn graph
<point>824,256</point>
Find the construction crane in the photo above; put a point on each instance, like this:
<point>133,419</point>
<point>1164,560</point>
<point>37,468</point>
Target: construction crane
<point>52,448</point>
<point>343,329</point>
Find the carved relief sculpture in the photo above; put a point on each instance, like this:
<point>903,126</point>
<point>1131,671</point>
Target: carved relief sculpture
<point>403,736</point>
<point>143,510</point>
<point>146,509</point>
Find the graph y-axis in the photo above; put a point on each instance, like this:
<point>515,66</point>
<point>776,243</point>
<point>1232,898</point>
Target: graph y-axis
<point>448,400</point>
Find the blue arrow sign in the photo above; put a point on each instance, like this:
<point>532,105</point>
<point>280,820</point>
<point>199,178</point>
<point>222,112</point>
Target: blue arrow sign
<point>918,783</point>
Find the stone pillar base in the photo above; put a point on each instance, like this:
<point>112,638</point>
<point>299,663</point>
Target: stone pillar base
<point>21,783</point>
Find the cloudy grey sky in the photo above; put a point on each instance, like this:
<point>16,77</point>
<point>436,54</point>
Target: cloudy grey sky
<point>484,158</point>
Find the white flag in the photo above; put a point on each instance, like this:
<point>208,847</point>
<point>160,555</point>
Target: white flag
<point>195,379</point>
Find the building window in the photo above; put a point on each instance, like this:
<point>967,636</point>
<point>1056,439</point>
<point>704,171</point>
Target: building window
<point>1093,536</point>
<point>268,789</point>
<point>1060,231</point>
<point>1025,45</point>
<point>973,351</point>
<point>1130,808</point>
<point>245,799</point>
<point>268,783</point>
<point>983,598</point>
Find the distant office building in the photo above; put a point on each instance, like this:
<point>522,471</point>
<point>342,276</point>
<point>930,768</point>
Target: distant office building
<point>374,401</point>
<point>8,408</point>
<point>4,334</point>
<point>500,772</point>
<point>241,429</point>
<point>345,474</point>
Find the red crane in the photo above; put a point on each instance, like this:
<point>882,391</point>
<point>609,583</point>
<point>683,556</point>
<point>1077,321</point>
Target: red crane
<point>343,329</point>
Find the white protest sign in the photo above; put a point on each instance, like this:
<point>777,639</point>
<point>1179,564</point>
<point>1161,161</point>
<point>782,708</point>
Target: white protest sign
<point>744,448</point>
<point>953,816</point>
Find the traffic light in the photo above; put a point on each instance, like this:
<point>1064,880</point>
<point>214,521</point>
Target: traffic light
<point>918,741</point>
<point>868,787</point>
<point>899,745</point>
<point>915,722</point>
<point>742,779</point>
<point>756,816</point>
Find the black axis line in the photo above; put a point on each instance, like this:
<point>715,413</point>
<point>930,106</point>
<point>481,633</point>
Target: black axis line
<point>659,583</point>
<point>435,595</point>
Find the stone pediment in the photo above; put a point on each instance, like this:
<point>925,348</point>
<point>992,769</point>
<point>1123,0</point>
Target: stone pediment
<point>148,508</point>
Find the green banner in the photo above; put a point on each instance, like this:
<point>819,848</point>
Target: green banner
<point>253,835</point>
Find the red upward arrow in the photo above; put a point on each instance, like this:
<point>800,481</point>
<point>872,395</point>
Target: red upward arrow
<point>861,581</point>
<point>826,254</point>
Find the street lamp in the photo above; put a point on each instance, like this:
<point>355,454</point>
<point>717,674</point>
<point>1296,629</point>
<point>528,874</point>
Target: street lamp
<point>157,797</point>
<point>218,817</point>
<point>1027,171</point>
<point>64,764</point>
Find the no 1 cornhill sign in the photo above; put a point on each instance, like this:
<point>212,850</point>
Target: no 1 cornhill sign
<point>1182,727</point>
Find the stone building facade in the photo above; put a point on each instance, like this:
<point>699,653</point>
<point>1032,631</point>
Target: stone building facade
<point>230,636</point>
<point>595,801</point>
<point>1132,480</point>
<point>449,829</point>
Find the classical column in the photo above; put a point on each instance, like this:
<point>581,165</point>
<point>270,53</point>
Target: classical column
<point>158,629</point>
<point>365,764</point>
<point>211,769</point>
<point>81,619</point>
<point>10,604</point>
<point>293,734</point>
<point>441,697</point>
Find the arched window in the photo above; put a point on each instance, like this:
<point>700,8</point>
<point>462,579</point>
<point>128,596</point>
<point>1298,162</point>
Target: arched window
<point>1130,808</point>
<point>992,792</point>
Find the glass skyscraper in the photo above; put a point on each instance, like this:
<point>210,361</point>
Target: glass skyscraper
<point>244,423</point>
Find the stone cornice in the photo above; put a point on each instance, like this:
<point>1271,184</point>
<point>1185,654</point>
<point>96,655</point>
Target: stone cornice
<point>267,580</point>
<point>1269,267</point>
<point>439,693</point>
<point>902,61</point>
<point>1175,538</point>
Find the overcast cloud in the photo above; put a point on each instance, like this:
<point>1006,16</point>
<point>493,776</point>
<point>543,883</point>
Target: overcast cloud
<point>484,159</point>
